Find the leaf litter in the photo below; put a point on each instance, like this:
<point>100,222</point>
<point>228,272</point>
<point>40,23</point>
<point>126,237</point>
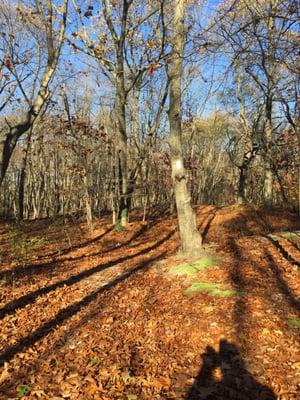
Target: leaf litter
<point>94,316</point>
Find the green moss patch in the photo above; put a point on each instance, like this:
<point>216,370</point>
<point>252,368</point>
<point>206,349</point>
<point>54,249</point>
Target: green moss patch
<point>192,268</point>
<point>183,269</point>
<point>205,262</point>
<point>225,293</point>
<point>212,289</point>
<point>294,322</point>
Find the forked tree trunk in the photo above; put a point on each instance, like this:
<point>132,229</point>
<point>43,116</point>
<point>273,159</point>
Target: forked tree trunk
<point>190,239</point>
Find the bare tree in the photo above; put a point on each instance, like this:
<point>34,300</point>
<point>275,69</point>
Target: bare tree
<point>52,20</point>
<point>253,34</point>
<point>123,53</point>
<point>190,239</point>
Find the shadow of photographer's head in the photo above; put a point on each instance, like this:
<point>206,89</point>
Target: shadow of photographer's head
<point>223,375</point>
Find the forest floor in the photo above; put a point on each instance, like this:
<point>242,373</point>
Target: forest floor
<point>104,315</point>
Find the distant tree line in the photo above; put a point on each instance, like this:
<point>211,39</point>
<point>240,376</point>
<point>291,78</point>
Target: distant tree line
<point>118,104</point>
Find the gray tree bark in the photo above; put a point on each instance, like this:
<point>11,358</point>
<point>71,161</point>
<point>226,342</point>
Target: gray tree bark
<point>190,239</point>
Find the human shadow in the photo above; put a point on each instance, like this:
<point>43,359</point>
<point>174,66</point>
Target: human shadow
<point>223,376</point>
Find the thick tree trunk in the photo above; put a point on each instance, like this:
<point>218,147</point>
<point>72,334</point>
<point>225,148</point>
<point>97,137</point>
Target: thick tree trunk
<point>190,239</point>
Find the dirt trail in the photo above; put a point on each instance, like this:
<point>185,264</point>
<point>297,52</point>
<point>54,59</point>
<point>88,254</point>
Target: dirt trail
<point>91,316</point>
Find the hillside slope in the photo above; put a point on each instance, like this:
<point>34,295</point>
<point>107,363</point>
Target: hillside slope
<point>99,316</point>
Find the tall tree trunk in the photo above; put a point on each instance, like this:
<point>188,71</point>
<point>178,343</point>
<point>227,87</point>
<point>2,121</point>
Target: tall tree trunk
<point>297,131</point>
<point>190,239</point>
<point>268,178</point>
<point>122,143</point>
<point>87,200</point>
<point>242,186</point>
<point>269,66</point>
<point>294,122</point>
<point>23,177</point>
<point>246,133</point>
<point>244,168</point>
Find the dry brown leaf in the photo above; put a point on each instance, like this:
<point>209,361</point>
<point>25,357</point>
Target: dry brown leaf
<point>4,374</point>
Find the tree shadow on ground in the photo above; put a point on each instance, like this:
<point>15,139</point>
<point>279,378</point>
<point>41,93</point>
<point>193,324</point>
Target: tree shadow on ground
<point>266,280</point>
<point>224,376</point>
<point>79,245</point>
<point>44,268</point>
<point>282,286</point>
<point>256,252</point>
<point>207,222</point>
<point>66,313</point>
<point>263,222</point>
<point>283,251</point>
<point>55,267</point>
<point>29,298</point>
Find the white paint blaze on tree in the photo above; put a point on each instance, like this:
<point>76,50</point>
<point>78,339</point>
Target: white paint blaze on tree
<point>190,239</point>
<point>111,150</point>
